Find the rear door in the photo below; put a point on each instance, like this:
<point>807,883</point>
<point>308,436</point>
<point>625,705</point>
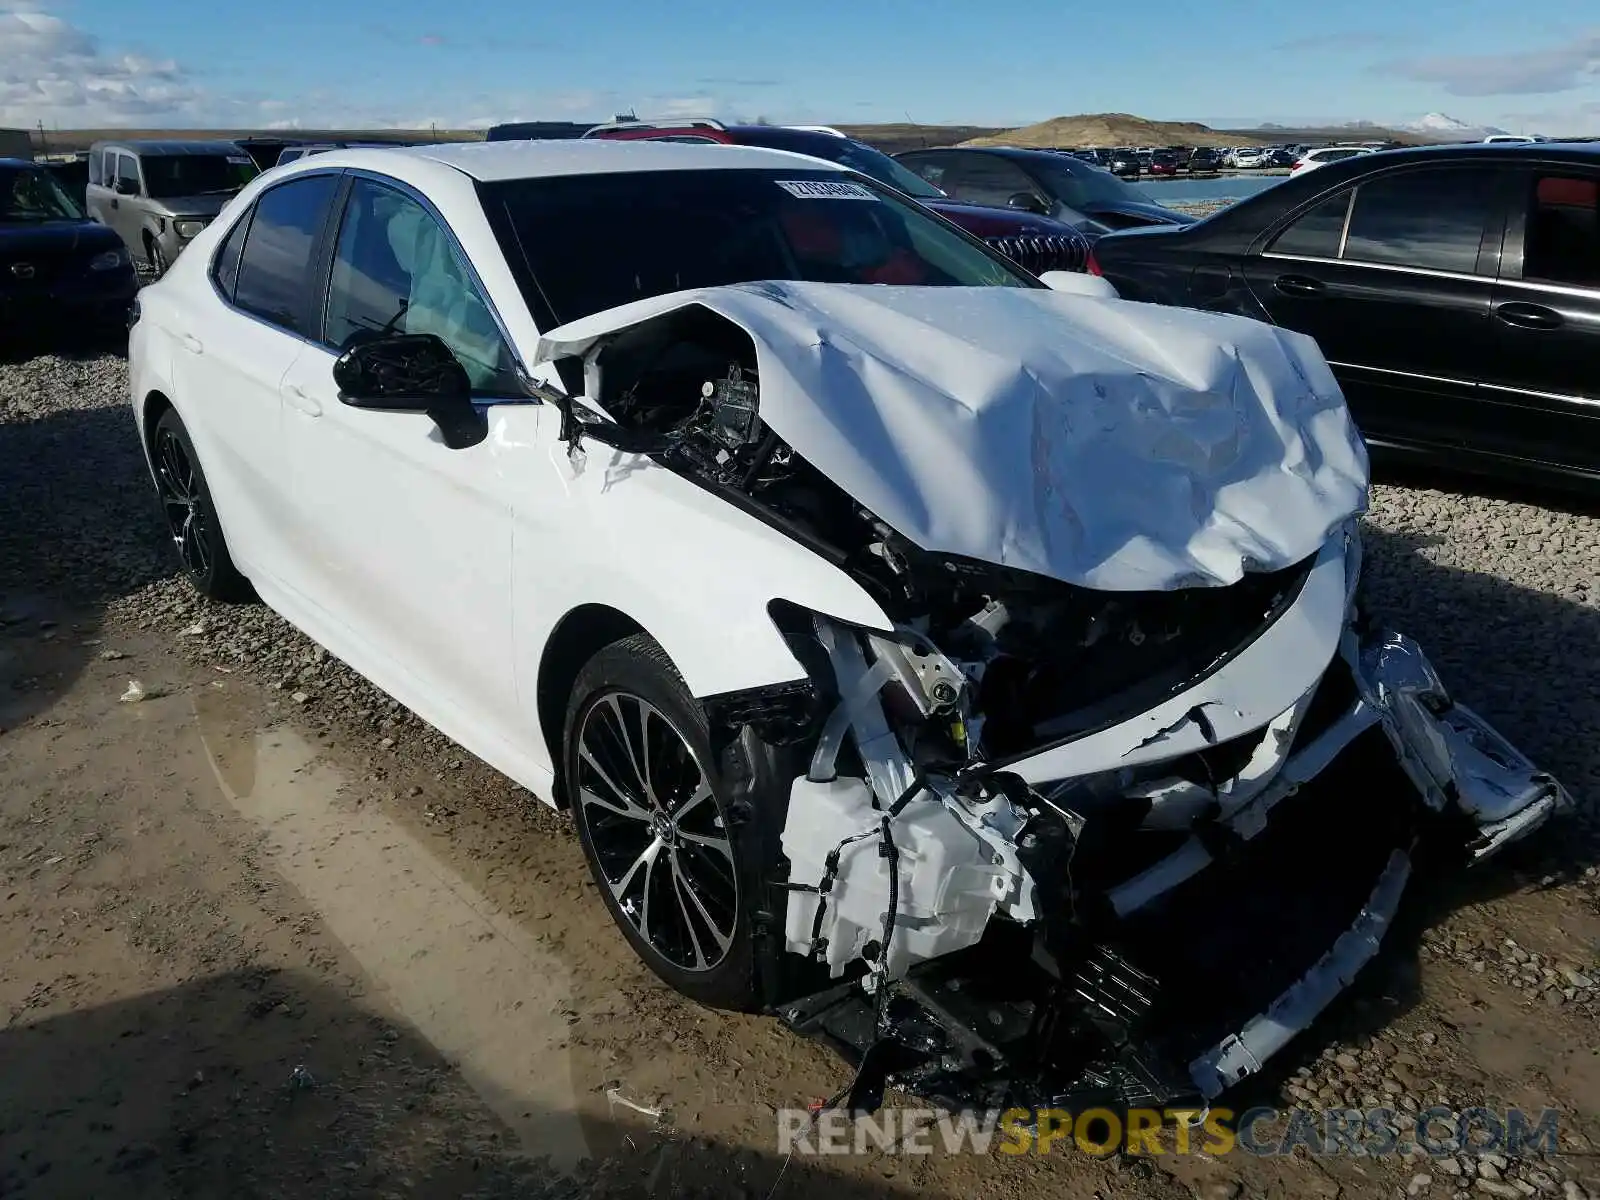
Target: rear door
<point>1393,276</point>
<point>231,365</point>
<point>1544,378</point>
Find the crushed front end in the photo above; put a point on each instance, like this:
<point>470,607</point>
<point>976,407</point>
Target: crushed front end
<point>1122,791</point>
<point>1119,848</point>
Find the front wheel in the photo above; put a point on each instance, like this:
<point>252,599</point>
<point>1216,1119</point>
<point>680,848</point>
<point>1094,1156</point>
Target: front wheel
<point>680,841</point>
<point>157,258</point>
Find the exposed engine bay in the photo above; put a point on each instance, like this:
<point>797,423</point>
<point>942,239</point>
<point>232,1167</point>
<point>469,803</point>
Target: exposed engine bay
<point>1057,842</point>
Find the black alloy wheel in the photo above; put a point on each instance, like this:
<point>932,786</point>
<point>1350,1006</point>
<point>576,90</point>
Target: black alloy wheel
<point>190,515</point>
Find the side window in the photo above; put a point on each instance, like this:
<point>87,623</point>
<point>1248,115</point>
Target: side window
<point>932,167</point>
<point>1318,232</point>
<point>1562,243</point>
<point>396,271</point>
<point>225,266</point>
<point>982,179</point>
<point>1429,219</point>
<point>95,160</point>
<point>128,171</point>
<point>274,276</point>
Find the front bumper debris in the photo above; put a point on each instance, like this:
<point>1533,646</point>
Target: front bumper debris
<point>1128,998</point>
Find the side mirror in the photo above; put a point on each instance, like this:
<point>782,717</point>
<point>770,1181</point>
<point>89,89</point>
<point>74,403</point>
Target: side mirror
<point>124,187</point>
<point>412,372</point>
<point>1028,202</point>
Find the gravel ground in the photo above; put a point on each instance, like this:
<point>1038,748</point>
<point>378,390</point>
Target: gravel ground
<point>1503,591</point>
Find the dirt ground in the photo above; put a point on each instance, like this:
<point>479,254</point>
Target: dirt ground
<point>253,950</point>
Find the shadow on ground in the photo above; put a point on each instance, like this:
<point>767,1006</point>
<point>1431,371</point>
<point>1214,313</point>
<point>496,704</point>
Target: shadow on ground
<point>79,528</point>
<point>256,1084</point>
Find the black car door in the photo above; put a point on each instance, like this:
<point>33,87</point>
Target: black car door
<point>1393,276</point>
<point>1543,384</point>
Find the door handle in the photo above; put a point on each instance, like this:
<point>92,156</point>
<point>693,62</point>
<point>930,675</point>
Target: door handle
<point>300,402</point>
<point>115,203</point>
<point>1298,285</point>
<point>191,343</point>
<point>1529,316</point>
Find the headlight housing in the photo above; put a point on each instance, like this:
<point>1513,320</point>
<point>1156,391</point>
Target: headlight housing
<point>188,228</point>
<point>110,260</point>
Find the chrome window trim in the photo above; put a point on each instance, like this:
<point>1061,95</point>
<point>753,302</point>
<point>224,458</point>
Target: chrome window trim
<point>1349,211</point>
<point>1558,397</point>
<point>1427,272</point>
<point>1557,289</point>
<point>1462,383</point>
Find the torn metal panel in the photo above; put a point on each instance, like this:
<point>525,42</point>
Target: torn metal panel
<point>1113,445</point>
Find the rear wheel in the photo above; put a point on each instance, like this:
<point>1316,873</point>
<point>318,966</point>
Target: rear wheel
<point>191,515</point>
<point>681,840</point>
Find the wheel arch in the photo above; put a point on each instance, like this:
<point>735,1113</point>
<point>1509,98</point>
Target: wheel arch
<point>152,408</point>
<point>577,637</point>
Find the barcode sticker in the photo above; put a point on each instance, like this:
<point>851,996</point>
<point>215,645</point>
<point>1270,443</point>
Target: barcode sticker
<point>825,189</point>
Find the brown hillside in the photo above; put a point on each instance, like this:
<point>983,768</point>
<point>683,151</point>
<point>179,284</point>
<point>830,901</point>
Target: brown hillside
<point>1113,129</point>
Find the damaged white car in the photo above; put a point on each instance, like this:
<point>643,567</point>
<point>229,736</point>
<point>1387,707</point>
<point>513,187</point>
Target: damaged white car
<point>966,668</point>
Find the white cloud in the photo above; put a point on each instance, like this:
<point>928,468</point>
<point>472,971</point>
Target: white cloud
<point>54,72</point>
<point>1561,67</point>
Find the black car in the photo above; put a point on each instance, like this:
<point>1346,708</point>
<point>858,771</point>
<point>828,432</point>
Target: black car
<point>1039,180</point>
<point>1454,289</point>
<point>1204,160</point>
<point>59,271</point>
<point>1122,163</point>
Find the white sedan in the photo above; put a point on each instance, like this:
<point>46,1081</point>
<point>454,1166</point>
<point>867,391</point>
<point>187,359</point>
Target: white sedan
<point>918,647</point>
<point>1324,155</point>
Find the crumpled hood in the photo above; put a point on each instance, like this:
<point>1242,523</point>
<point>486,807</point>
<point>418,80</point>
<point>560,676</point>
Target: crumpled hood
<point>1114,445</point>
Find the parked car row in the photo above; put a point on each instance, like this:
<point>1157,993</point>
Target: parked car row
<point>1042,181</point>
<point>1455,291</point>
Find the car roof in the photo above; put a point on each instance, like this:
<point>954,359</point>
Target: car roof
<point>170,146</point>
<point>490,162</point>
<point>17,162</point>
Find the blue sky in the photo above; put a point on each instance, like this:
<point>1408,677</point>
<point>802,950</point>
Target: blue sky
<point>85,62</point>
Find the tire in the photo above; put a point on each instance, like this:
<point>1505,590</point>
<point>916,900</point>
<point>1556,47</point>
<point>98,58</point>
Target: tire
<point>711,861</point>
<point>156,257</point>
<point>191,515</point>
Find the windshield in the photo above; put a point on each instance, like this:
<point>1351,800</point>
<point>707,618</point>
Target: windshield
<point>596,241</point>
<point>170,175</point>
<point>1082,186</point>
<point>29,194</point>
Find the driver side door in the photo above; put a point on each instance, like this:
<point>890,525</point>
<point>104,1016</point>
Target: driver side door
<point>407,543</point>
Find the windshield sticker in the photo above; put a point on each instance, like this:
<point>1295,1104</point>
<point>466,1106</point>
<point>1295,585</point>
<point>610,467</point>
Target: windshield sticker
<point>825,189</point>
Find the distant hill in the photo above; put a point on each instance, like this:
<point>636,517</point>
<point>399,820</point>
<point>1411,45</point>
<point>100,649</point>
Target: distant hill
<point>892,139</point>
<point>1113,129</point>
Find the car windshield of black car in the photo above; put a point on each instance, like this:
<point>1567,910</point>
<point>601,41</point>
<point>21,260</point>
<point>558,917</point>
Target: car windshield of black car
<point>29,195</point>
